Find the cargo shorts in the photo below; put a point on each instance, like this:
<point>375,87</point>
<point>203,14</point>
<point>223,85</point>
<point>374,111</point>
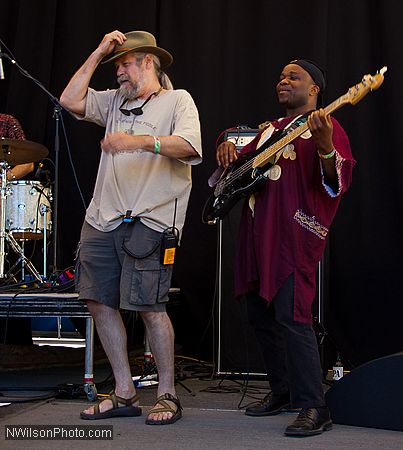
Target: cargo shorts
<point>122,269</point>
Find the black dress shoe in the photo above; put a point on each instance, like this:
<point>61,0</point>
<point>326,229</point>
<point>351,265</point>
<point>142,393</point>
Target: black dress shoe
<point>270,406</point>
<point>310,421</point>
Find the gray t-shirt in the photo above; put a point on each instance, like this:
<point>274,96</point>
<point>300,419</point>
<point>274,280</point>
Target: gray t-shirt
<point>141,181</point>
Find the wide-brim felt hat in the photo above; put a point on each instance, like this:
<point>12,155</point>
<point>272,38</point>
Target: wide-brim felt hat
<point>140,41</point>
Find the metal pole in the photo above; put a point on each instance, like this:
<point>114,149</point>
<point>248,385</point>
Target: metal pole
<point>219,288</point>
<point>3,194</point>
<point>44,210</point>
<point>57,112</point>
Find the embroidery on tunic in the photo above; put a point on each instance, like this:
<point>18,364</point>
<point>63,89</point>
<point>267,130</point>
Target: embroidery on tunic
<point>311,224</point>
<point>251,203</point>
<point>274,173</point>
<point>339,164</point>
<point>288,152</point>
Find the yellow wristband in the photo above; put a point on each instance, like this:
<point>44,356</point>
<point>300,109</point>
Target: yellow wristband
<point>157,145</point>
<point>327,155</point>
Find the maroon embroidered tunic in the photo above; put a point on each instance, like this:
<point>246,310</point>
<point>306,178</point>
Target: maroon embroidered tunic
<point>10,128</point>
<point>286,233</point>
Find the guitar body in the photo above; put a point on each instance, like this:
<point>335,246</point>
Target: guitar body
<point>226,195</point>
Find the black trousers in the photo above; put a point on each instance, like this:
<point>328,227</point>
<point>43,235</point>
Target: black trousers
<point>289,348</point>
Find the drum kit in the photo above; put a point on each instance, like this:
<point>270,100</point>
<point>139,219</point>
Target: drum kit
<point>25,206</point>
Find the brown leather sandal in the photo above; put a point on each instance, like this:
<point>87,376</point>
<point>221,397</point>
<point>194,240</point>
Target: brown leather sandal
<point>166,407</point>
<point>127,410</point>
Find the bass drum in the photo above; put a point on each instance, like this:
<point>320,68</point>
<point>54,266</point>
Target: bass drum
<point>27,209</point>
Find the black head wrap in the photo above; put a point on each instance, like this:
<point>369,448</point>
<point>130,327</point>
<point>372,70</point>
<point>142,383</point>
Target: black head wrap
<point>317,74</point>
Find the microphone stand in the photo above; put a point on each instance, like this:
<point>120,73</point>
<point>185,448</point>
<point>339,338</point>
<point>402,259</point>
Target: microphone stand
<point>58,108</point>
<point>56,115</point>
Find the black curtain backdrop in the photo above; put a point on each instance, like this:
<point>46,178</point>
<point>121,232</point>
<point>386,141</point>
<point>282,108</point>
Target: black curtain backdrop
<point>229,54</point>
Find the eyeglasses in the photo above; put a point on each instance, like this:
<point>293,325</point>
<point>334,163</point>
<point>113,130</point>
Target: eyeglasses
<point>139,110</point>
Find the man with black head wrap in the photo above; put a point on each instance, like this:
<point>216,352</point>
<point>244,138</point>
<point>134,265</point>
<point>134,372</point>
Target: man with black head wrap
<point>282,237</point>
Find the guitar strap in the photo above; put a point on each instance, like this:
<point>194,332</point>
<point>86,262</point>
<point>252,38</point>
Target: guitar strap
<point>268,138</point>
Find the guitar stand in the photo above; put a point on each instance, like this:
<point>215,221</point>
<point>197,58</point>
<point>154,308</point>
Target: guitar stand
<point>178,381</point>
<point>149,376</point>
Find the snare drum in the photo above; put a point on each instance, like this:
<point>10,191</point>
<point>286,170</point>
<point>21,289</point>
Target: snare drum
<point>27,206</point>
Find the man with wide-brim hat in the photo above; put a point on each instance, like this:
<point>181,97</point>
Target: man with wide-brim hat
<point>140,198</point>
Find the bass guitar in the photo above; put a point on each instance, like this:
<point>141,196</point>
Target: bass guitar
<point>246,175</point>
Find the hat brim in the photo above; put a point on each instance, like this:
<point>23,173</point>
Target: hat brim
<point>165,57</point>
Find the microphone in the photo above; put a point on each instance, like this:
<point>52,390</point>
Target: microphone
<point>42,174</point>
<point>39,170</point>
<point>2,77</point>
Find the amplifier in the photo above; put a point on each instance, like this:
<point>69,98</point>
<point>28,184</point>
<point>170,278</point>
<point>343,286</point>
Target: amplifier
<point>240,136</point>
<point>238,352</point>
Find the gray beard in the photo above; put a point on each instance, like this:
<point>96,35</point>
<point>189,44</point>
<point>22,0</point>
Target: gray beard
<point>130,90</point>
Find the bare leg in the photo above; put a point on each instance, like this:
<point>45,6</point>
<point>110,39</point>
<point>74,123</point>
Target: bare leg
<point>161,336</point>
<point>112,334</point>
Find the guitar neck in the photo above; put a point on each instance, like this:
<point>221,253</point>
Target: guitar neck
<point>263,158</point>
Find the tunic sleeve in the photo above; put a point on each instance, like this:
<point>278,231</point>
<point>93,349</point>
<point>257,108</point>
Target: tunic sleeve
<point>344,162</point>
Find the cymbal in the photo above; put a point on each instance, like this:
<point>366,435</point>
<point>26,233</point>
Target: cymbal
<point>20,151</point>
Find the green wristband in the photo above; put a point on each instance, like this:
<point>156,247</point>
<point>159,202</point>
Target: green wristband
<point>327,155</point>
<point>157,145</point>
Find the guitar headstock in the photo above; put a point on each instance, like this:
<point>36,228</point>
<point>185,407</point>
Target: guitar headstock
<point>368,83</point>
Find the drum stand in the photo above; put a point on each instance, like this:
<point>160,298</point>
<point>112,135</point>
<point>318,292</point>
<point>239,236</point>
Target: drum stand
<point>43,210</point>
<point>26,263</point>
<point>3,194</point>
<point>8,236</point>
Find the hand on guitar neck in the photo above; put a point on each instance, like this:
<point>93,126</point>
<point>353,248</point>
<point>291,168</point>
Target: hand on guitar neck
<point>321,128</point>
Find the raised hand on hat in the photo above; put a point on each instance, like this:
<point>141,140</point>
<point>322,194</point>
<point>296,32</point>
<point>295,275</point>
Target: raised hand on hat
<point>110,41</point>
<point>74,96</point>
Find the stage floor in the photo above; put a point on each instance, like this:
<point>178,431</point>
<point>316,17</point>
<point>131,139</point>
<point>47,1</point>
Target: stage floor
<point>213,412</point>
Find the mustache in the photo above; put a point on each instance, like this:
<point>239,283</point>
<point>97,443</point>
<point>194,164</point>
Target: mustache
<point>122,78</point>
